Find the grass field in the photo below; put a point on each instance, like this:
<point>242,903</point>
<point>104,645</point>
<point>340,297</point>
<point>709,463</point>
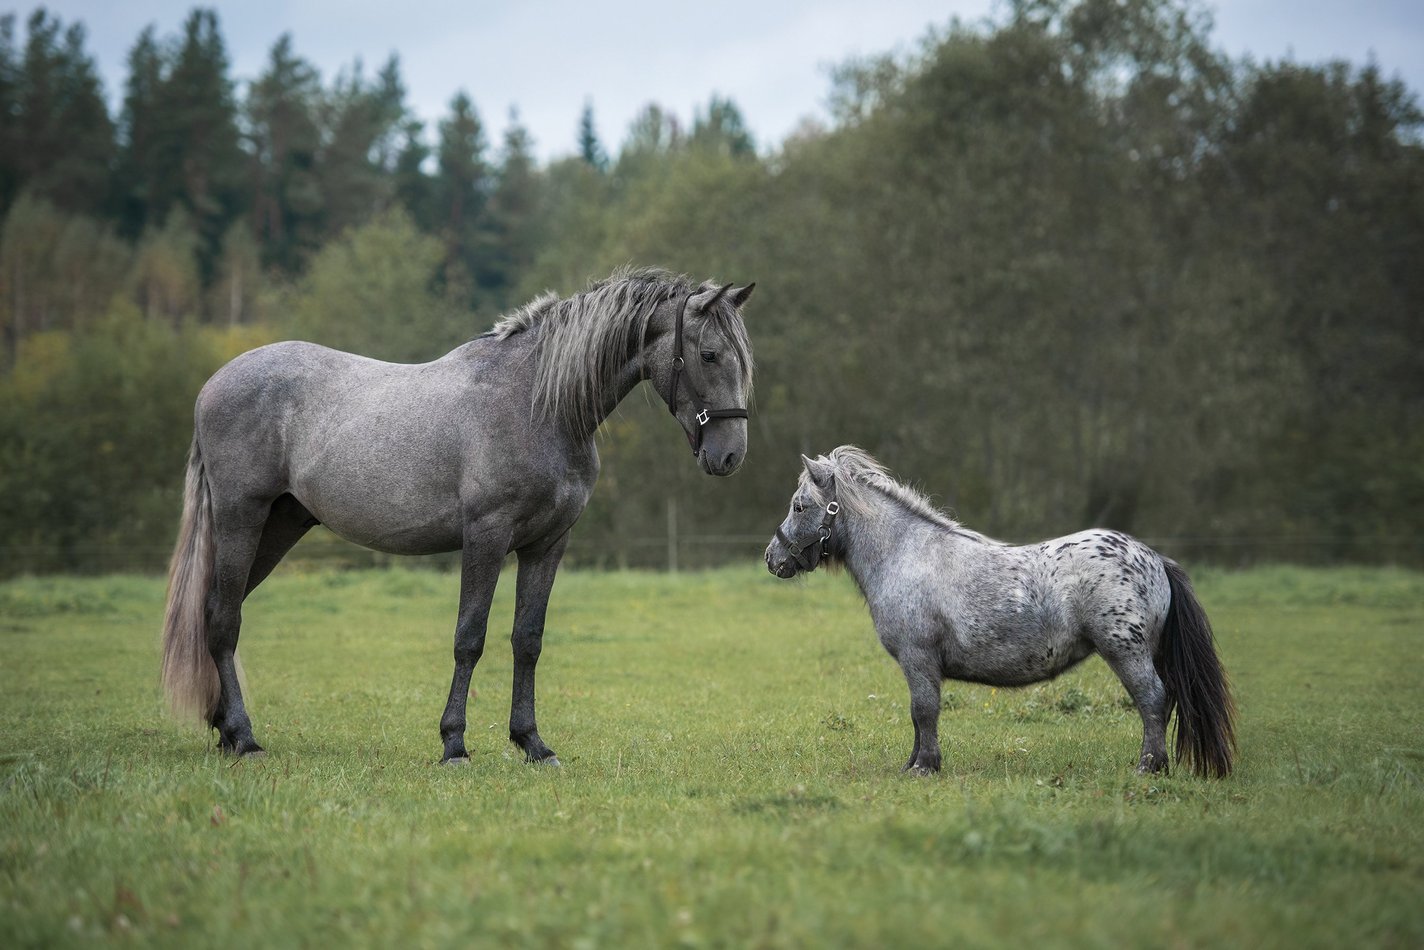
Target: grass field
<point>731,747</point>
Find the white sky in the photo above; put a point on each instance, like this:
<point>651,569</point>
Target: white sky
<point>547,57</point>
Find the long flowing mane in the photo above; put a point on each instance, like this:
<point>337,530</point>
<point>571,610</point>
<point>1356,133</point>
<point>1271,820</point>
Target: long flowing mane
<point>584,340</point>
<point>860,478</point>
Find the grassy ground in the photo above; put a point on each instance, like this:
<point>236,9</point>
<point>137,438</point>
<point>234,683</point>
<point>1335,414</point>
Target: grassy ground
<point>731,747</point>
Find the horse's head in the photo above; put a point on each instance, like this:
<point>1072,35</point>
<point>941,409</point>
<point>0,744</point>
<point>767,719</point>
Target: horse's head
<point>808,534</point>
<point>702,367</point>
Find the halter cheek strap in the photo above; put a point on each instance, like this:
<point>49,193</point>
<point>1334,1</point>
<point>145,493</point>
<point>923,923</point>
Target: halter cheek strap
<point>702,414</point>
<point>808,553</point>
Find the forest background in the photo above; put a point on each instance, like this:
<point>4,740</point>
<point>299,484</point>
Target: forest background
<point>1070,267</point>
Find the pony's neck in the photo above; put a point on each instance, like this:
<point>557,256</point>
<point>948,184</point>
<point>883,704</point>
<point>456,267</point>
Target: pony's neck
<point>872,542</point>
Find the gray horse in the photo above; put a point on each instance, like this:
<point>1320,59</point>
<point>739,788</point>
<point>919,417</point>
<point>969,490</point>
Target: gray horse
<point>487,450</point>
<point>950,603</point>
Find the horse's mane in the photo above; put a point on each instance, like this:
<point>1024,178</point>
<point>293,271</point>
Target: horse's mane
<point>860,477</point>
<point>584,340</point>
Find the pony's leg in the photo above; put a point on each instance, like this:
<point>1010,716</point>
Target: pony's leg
<point>235,543</point>
<point>922,674</point>
<point>1133,665</point>
<point>536,580</point>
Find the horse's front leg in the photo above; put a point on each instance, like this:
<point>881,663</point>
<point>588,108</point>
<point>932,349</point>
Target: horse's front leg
<point>536,579</point>
<point>479,572</point>
<point>922,674</point>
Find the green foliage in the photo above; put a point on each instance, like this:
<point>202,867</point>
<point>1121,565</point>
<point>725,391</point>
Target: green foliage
<point>92,429</point>
<point>371,291</point>
<point>731,746</point>
<point>1071,267</point>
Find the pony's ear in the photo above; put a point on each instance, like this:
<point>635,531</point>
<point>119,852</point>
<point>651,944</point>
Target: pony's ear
<point>819,469</point>
<point>704,299</point>
<point>740,295</point>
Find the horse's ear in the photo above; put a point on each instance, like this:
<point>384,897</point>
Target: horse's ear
<point>740,295</point>
<point>819,469</point>
<point>703,300</point>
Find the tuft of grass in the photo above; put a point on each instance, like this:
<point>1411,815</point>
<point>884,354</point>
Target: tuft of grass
<point>732,748</point>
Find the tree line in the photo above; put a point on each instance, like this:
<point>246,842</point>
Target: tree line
<point>1071,267</point>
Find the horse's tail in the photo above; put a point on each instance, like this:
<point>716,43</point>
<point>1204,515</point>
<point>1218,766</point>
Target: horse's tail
<point>1196,683</point>
<point>190,678</point>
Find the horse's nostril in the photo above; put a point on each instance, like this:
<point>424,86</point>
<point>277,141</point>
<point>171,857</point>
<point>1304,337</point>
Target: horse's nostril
<point>730,462</point>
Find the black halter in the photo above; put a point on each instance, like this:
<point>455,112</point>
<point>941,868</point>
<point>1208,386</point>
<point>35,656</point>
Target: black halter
<point>703,414</point>
<point>803,552</point>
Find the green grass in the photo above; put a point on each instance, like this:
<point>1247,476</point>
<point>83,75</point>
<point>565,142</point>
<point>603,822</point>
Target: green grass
<point>731,747</point>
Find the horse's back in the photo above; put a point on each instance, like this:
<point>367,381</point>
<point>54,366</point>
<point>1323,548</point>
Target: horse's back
<point>389,455</point>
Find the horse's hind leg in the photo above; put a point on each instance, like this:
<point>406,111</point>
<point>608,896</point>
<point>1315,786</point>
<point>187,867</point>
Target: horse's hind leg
<point>286,524</point>
<point>1132,663</point>
<point>236,540</point>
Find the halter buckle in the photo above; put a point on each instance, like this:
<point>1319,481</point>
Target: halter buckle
<point>677,362</point>
<point>833,508</point>
<point>703,417</point>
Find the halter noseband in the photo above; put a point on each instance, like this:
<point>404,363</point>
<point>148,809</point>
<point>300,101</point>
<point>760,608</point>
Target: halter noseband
<point>802,552</point>
<point>703,415</point>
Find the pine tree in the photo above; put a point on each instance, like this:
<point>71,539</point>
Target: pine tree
<point>10,171</point>
<point>415,188</point>
<point>590,149</point>
<point>512,213</point>
<point>137,188</point>
<point>360,121</point>
<point>462,186</point>
<point>284,144</point>
<point>66,138</point>
<point>199,159</point>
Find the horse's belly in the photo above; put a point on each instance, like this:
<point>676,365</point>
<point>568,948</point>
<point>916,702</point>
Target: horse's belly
<point>1013,657</point>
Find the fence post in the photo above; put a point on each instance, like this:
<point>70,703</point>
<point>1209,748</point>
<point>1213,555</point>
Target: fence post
<point>672,534</point>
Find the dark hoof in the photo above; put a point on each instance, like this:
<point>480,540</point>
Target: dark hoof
<point>242,750</point>
<point>456,760</point>
<point>921,769</point>
<point>549,761</point>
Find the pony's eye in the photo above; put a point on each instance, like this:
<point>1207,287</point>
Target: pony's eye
<point>798,507</point>
<point>708,356</point>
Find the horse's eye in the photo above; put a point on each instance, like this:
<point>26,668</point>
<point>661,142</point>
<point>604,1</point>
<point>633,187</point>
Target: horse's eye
<point>798,507</point>
<point>708,356</point>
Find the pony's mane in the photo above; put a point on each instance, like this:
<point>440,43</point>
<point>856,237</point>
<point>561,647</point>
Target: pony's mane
<point>584,340</point>
<point>860,477</point>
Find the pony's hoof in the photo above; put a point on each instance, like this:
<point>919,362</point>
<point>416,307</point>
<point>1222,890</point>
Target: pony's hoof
<point>551,762</point>
<point>921,770</point>
<point>253,754</point>
<point>456,760</point>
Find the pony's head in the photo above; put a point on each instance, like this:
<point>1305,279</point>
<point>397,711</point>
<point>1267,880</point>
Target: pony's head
<point>808,534</point>
<point>701,366</point>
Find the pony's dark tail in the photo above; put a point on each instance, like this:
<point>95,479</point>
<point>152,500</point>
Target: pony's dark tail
<point>1196,683</point>
<point>190,678</point>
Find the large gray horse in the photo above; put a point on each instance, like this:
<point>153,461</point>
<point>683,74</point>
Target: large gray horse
<point>487,450</point>
<point>949,603</point>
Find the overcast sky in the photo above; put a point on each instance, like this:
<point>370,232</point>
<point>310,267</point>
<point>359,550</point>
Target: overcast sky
<point>547,57</point>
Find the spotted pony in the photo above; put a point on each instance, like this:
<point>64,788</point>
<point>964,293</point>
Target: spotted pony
<point>950,603</point>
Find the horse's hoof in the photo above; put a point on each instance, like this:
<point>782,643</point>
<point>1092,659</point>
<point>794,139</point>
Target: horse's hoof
<point>923,770</point>
<point>456,760</point>
<point>254,754</point>
<point>551,761</point>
